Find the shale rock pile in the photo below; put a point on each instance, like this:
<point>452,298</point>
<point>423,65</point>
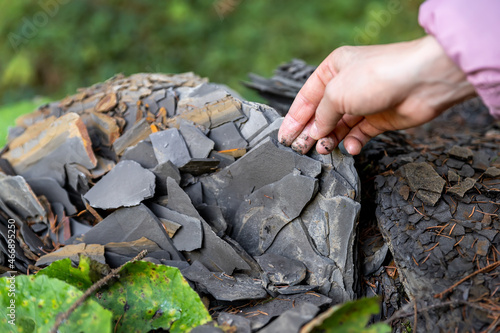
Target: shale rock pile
<point>192,172</point>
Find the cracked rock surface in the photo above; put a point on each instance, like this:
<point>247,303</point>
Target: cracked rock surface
<point>440,220</point>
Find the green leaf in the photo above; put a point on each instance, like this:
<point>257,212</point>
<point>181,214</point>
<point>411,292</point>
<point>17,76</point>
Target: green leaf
<point>149,296</point>
<point>38,300</point>
<point>87,273</point>
<point>350,317</point>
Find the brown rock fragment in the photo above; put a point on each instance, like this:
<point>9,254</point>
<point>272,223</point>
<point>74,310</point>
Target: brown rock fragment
<point>462,187</point>
<point>482,247</point>
<point>212,115</point>
<point>461,153</point>
<point>140,131</point>
<point>101,127</point>
<point>44,148</point>
<point>404,191</point>
<point>492,172</point>
<point>425,181</point>
<point>107,103</point>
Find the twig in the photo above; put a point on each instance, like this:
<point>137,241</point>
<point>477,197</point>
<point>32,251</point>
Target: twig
<point>484,269</point>
<point>62,316</point>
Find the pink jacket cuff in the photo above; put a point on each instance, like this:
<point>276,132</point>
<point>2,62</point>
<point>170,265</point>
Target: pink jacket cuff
<point>468,31</point>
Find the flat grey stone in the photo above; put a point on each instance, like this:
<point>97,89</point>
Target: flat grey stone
<point>343,164</point>
<point>15,132</point>
<point>488,233</point>
<point>169,145</point>
<point>162,172</point>
<point>195,193</point>
<point>120,252</point>
<point>126,185</point>
<point>6,167</point>
<point>190,236</point>
<point>78,178</point>
<point>425,181</point>
<point>271,130</point>
<point>223,287</point>
<point>279,305</point>
<point>466,171</point>
<point>454,163</point>
<point>224,159</point>
<point>241,323</point>
<point>216,254</point>
<point>332,183</point>
<point>130,137</point>
<point>263,165</point>
<point>103,166</point>
<point>292,320</point>
<point>462,153</point>
<point>292,290</point>
<point>168,103</point>
<point>462,187</point>
<point>294,243</point>
<point>142,153</point>
<point>34,242</point>
<point>130,224</point>
<point>331,223</point>
<point>374,262</point>
<point>226,137</point>
<point>213,216</point>
<point>442,213</point>
<point>17,194</point>
<point>179,201</point>
<point>281,270</point>
<point>198,143</point>
<point>481,160</point>
<point>267,210</point>
<point>51,189</point>
<point>199,96</point>
<point>255,124</point>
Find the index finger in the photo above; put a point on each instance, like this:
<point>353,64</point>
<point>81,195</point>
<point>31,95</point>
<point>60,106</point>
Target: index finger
<point>306,102</point>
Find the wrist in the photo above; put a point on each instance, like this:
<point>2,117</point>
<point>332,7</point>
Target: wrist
<point>440,81</point>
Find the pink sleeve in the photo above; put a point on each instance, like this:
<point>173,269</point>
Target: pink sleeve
<point>469,32</point>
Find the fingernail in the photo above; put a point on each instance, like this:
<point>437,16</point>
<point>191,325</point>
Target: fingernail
<point>327,143</point>
<point>302,144</point>
<point>297,147</point>
<point>313,132</point>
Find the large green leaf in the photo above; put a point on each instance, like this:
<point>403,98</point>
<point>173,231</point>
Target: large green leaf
<point>87,273</point>
<point>350,317</point>
<point>148,296</point>
<point>38,300</point>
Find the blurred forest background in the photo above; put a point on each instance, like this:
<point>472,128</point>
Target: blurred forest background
<point>51,47</point>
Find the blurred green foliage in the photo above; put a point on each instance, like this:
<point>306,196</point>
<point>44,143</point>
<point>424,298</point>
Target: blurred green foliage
<point>9,113</point>
<point>51,47</point>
